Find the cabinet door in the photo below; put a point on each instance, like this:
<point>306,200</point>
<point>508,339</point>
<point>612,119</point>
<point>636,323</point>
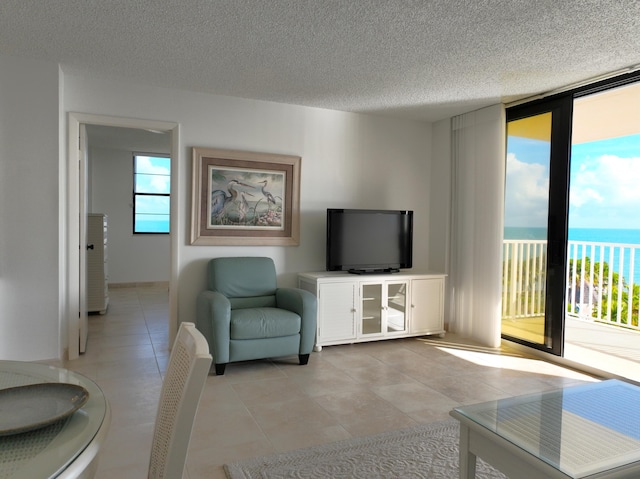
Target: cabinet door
<point>336,312</point>
<point>396,306</point>
<point>427,302</point>
<point>371,309</point>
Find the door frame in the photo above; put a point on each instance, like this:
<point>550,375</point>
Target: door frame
<point>83,326</point>
<point>75,185</point>
<point>561,108</point>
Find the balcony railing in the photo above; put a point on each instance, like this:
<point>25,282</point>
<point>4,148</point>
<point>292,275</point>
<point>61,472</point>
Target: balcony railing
<point>600,282</point>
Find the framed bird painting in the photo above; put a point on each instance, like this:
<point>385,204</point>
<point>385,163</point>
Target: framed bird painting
<point>245,198</point>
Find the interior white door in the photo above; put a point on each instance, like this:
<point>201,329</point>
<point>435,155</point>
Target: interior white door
<point>82,240</point>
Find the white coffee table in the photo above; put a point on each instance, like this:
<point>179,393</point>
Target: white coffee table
<point>588,431</point>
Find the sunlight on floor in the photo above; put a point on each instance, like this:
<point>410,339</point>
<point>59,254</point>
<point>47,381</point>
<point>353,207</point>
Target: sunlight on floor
<point>512,362</point>
<point>502,358</point>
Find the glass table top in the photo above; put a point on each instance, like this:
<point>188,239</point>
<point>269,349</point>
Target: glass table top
<point>45,452</point>
<point>580,430</point>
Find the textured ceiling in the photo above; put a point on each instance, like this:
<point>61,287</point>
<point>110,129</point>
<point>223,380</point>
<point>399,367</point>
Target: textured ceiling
<point>406,58</point>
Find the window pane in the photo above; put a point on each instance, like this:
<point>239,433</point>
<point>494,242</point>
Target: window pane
<point>152,184</point>
<point>152,165</point>
<point>151,223</point>
<point>151,214</point>
<point>525,232</point>
<point>150,204</point>
<point>152,174</point>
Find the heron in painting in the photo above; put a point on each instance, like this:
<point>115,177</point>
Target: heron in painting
<point>267,195</point>
<point>220,198</point>
<point>243,207</point>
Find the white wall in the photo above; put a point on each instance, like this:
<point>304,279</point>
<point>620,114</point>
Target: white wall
<point>131,258</point>
<point>30,223</point>
<point>348,160</point>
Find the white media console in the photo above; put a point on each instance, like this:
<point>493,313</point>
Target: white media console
<point>371,307</point>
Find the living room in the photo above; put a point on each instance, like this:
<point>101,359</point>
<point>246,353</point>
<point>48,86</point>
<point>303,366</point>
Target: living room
<point>394,153</point>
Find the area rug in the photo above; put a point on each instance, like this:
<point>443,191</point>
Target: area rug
<point>427,451</point>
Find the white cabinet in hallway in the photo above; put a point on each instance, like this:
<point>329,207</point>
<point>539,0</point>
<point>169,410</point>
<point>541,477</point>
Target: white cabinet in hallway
<point>356,308</point>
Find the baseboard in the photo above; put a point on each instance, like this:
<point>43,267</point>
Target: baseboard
<point>148,284</point>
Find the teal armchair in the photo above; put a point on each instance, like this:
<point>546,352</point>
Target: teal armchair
<point>244,315</point>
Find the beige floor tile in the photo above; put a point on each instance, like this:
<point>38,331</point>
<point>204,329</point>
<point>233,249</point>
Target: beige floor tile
<point>409,397</point>
<point>274,417</point>
<point>267,391</point>
<point>373,424</point>
<point>301,435</point>
<point>345,406</point>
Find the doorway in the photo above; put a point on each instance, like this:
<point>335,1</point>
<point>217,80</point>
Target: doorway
<point>603,277</point>
<point>77,185</point>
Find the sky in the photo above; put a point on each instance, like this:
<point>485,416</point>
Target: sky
<point>155,174</point>
<point>527,183</point>
<point>604,183</point>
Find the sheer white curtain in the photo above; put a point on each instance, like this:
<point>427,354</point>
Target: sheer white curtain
<point>478,175</point>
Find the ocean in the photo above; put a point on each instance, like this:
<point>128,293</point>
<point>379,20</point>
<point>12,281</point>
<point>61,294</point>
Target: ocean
<point>595,235</point>
<point>157,226</point>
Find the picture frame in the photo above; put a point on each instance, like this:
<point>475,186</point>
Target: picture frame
<point>245,198</point>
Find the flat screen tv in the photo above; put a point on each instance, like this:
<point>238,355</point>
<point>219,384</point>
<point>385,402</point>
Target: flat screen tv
<point>369,241</point>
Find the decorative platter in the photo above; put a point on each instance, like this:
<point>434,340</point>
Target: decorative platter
<point>25,408</point>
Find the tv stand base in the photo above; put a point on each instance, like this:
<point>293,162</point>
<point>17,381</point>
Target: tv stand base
<point>374,271</point>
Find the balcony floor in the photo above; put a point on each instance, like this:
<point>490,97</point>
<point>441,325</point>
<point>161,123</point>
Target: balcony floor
<point>599,346</point>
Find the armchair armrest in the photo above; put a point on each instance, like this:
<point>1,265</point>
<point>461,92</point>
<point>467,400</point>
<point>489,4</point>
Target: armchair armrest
<point>213,320</point>
<point>305,305</point>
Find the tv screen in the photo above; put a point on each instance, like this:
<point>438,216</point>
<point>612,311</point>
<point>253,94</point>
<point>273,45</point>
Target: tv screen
<point>369,241</point>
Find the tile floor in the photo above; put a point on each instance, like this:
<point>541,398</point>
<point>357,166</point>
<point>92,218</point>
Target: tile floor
<point>265,407</point>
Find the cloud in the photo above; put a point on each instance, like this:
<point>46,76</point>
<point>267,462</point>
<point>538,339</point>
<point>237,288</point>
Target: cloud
<point>584,196</point>
<point>526,193</point>
<point>608,180</point>
<point>605,192</point>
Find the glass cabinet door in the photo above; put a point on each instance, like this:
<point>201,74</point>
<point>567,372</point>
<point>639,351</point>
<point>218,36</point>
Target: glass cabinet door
<point>396,307</point>
<point>371,309</point>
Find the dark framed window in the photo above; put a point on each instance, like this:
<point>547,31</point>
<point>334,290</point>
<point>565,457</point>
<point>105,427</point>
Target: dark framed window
<point>151,194</point>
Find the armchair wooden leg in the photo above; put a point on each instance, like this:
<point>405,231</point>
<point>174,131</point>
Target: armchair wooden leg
<point>304,359</point>
<point>220,368</point>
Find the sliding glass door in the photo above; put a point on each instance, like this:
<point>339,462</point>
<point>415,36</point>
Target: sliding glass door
<point>536,203</point>
<point>555,277</point>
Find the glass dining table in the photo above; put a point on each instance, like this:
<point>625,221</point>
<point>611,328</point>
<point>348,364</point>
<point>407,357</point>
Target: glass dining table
<point>63,449</point>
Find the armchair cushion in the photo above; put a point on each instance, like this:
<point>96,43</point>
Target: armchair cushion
<point>260,323</point>
<point>243,277</point>
<point>255,302</point>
